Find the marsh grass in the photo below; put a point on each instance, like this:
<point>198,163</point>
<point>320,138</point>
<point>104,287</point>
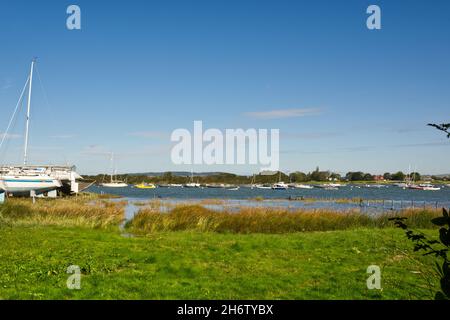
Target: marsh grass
<point>269,220</point>
<point>82,211</point>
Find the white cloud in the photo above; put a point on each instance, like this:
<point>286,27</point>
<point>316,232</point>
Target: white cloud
<point>284,113</point>
<point>95,150</point>
<point>9,136</point>
<point>149,134</point>
<point>7,84</point>
<point>64,136</point>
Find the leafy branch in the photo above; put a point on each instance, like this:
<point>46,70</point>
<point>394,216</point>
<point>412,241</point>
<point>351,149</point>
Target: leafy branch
<point>443,127</point>
<point>422,243</point>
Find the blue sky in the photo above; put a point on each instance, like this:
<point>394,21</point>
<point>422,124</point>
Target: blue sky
<point>137,70</point>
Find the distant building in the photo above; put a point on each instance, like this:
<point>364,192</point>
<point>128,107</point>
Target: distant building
<point>378,178</point>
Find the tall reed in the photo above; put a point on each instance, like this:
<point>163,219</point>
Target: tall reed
<point>69,211</point>
<point>269,220</point>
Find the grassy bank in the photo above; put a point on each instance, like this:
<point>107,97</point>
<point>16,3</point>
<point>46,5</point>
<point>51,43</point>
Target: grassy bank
<point>267,220</point>
<point>250,255</point>
<point>192,265</point>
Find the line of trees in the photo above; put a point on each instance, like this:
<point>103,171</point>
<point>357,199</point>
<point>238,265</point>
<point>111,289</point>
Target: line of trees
<point>295,177</point>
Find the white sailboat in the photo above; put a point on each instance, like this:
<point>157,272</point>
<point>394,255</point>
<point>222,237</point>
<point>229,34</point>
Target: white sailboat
<point>19,182</point>
<point>429,187</point>
<point>301,186</point>
<point>280,185</point>
<point>191,183</point>
<point>113,183</point>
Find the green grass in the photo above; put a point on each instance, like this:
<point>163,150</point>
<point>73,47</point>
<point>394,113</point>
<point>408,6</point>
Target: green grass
<point>194,253</point>
<point>202,265</point>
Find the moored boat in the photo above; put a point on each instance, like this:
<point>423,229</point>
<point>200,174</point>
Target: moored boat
<point>280,186</point>
<point>429,187</point>
<point>301,186</point>
<point>216,186</point>
<point>175,185</point>
<point>113,182</point>
<point>192,185</point>
<point>144,185</point>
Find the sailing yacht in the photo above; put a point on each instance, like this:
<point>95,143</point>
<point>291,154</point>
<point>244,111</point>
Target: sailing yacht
<point>191,183</point>
<point>113,182</point>
<point>18,181</point>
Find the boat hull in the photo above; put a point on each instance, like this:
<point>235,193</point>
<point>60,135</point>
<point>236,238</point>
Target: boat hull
<point>302,186</point>
<point>23,186</point>
<point>145,186</point>
<point>114,185</point>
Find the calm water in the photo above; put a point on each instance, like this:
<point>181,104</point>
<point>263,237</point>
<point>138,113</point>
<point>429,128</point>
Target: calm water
<point>385,193</point>
<point>394,197</point>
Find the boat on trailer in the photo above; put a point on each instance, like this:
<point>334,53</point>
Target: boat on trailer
<point>69,180</point>
<point>23,185</point>
<point>28,180</point>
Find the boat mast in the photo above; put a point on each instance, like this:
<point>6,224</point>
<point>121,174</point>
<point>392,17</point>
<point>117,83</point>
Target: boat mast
<point>112,167</point>
<point>25,151</point>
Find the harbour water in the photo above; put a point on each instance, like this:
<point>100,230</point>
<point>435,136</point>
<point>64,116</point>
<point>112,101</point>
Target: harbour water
<point>373,200</point>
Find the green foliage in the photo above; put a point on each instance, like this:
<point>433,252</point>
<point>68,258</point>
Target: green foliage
<point>298,177</point>
<point>445,127</point>
<point>359,176</point>
<point>398,176</point>
<point>318,175</point>
<point>387,176</point>
<point>423,243</point>
<point>415,176</point>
